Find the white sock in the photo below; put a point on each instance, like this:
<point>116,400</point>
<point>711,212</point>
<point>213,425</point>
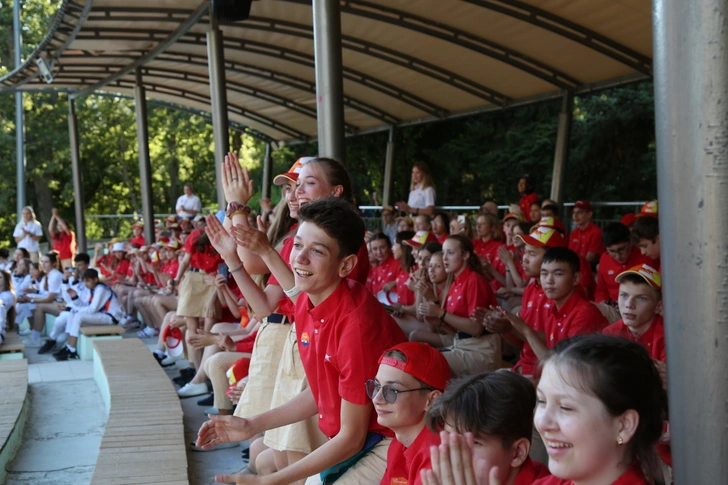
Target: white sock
<point>34,334</point>
<point>160,353</point>
<point>72,349</point>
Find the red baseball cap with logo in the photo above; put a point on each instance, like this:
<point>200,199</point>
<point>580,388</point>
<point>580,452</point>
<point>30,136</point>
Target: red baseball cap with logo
<point>628,219</point>
<point>544,237</point>
<point>649,209</point>
<point>552,223</point>
<point>424,362</point>
<point>421,238</point>
<point>292,174</point>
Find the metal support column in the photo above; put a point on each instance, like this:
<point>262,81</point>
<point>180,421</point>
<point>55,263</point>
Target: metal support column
<point>19,116</point>
<point>78,200</point>
<point>218,101</point>
<point>691,122</point>
<point>329,83</point>
<point>267,168</point>
<point>388,168</point>
<point>561,155</point>
<point>145,166</point>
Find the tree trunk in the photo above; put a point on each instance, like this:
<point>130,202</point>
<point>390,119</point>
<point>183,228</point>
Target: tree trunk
<point>44,201</point>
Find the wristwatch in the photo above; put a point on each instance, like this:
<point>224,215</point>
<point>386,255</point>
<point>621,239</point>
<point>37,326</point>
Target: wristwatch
<point>235,208</point>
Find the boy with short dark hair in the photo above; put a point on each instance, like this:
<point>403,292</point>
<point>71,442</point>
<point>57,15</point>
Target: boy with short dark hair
<point>550,209</point>
<point>342,330</point>
<point>496,408</point>
<point>646,236</point>
<point>620,256</point>
<point>571,313</point>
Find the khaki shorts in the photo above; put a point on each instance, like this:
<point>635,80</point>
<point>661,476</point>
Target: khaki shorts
<point>370,469</point>
<point>267,350</point>
<point>195,293</point>
<point>304,436</point>
<point>473,355</point>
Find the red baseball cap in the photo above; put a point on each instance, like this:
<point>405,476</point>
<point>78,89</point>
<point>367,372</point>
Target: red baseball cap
<point>544,237</point>
<point>647,272</point>
<point>649,209</point>
<point>292,174</point>
<point>424,362</point>
<point>583,205</point>
<point>628,219</point>
<point>552,223</point>
<point>421,238</point>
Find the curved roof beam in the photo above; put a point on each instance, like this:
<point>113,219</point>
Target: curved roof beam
<point>177,75</point>
<point>459,37</point>
<point>348,42</point>
<point>60,27</point>
<point>290,55</point>
<point>570,30</point>
<point>255,71</point>
<point>381,52</point>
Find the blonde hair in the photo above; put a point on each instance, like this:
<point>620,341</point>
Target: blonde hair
<point>495,227</point>
<point>426,176</point>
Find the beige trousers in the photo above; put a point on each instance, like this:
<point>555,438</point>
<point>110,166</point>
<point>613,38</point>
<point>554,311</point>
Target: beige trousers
<point>216,368</point>
<point>370,469</point>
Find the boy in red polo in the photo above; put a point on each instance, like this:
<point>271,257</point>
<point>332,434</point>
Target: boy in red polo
<point>619,257</point>
<point>586,239</point>
<point>411,377</point>
<point>646,236</point>
<point>571,313</point>
<point>494,410</point>
<point>640,304</point>
<point>341,330</point>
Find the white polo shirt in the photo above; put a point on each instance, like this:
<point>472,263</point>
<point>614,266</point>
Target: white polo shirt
<point>34,228</point>
<point>192,202</point>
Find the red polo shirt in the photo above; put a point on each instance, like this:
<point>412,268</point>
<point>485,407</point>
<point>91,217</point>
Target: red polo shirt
<point>139,241</point>
<point>340,342</point>
<point>535,307</point>
<point>62,243</point>
<point>525,205</point>
<point>633,476</point>
<point>488,249</point>
<point>653,339</point>
<point>607,287</point>
<point>530,472</point>
<point>208,260</point>
<point>121,270</point>
<point>382,274</point>
<point>589,240</point>
<point>587,277</point>
<point>468,291</point>
<point>404,464</point>
<point>577,316</point>
<point>405,296</point>
<point>171,267</point>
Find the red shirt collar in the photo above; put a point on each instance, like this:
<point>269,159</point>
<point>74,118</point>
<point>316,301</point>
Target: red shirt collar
<point>326,308</point>
<point>575,298</point>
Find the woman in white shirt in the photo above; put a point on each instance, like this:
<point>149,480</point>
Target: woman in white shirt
<point>422,192</point>
<point>28,232</point>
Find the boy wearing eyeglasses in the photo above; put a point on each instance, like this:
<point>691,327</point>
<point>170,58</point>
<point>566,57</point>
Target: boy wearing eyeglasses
<point>411,377</point>
<point>620,256</point>
<point>342,330</point>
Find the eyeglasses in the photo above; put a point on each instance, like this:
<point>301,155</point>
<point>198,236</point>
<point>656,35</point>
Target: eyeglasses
<point>389,393</point>
<point>618,251</point>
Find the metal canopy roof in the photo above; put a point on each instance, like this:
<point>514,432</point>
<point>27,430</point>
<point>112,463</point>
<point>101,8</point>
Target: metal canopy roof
<point>404,61</point>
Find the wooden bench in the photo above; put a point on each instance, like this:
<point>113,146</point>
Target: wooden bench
<point>96,332</point>
<point>144,439</point>
<point>11,349</point>
<point>13,409</point>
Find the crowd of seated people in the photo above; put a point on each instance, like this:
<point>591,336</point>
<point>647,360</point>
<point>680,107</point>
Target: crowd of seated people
<point>497,349</point>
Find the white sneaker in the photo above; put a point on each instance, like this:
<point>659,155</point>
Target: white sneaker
<point>24,332</point>
<point>191,390</point>
<point>170,360</point>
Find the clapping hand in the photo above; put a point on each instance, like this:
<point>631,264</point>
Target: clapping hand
<point>236,182</point>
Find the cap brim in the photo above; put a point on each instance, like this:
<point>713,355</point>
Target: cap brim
<point>414,244</point>
<point>284,178</point>
<point>531,241</point>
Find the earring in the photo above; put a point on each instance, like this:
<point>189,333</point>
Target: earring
<point>620,441</point>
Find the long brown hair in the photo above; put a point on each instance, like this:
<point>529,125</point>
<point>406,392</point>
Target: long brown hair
<point>426,176</point>
<point>336,174</point>
<point>473,261</point>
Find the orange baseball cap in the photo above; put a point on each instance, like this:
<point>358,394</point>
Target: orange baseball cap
<point>649,209</point>
<point>647,272</point>
<point>292,174</point>
<point>544,237</point>
<point>513,215</point>
<point>421,238</point>
<point>553,223</point>
<point>424,362</point>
